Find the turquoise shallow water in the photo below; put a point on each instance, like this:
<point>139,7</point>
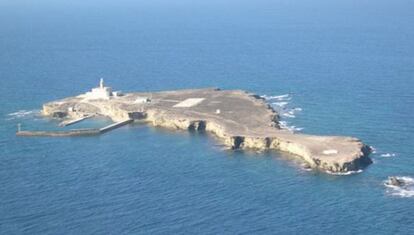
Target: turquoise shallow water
<point>348,65</point>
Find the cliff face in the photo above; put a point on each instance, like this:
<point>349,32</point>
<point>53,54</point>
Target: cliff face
<point>300,145</point>
<point>239,119</point>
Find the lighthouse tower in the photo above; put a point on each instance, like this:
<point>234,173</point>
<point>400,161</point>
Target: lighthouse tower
<point>101,83</point>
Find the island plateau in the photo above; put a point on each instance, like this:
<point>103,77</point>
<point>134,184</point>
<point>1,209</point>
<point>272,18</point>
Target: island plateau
<point>240,120</point>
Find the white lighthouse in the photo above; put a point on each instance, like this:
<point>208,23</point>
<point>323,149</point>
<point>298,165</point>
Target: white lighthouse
<point>101,92</point>
<point>101,83</point>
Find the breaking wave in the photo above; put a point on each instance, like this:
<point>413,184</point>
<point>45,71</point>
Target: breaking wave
<point>344,173</point>
<point>401,191</point>
<point>22,114</point>
<point>277,97</point>
<point>285,125</point>
<point>382,154</point>
<point>289,115</point>
<point>306,167</point>
<point>387,155</point>
<point>280,103</point>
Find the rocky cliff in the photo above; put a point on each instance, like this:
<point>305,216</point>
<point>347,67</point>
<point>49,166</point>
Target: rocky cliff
<point>241,120</point>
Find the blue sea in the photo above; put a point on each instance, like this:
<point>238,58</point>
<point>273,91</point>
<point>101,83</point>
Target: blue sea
<point>342,67</point>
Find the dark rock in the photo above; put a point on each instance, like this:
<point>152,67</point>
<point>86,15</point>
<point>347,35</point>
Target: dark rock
<point>59,114</point>
<point>394,181</point>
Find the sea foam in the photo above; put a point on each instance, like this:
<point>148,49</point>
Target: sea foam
<point>280,103</point>
<point>277,97</point>
<point>401,191</point>
<point>22,114</point>
<point>387,155</point>
<point>344,173</point>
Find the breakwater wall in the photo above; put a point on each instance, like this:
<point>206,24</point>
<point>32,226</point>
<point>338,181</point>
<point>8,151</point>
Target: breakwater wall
<point>75,132</point>
<point>78,132</point>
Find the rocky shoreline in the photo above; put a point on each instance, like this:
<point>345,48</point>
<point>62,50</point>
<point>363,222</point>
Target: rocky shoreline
<point>241,120</point>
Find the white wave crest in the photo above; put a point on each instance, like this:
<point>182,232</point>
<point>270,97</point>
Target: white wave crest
<point>344,173</point>
<point>387,155</point>
<point>286,126</point>
<point>283,124</point>
<point>406,190</point>
<point>277,97</point>
<point>306,167</point>
<point>281,96</point>
<point>22,114</point>
<point>279,104</point>
<point>289,115</point>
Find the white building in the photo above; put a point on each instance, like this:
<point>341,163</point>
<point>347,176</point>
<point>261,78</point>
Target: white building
<point>142,100</point>
<point>101,92</point>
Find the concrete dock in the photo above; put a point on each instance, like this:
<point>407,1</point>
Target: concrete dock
<point>115,125</point>
<point>74,121</point>
<point>75,132</point>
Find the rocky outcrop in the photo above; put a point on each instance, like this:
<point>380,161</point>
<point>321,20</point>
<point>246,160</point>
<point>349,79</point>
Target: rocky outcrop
<point>358,160</point>
<point>395,181</point>
<point>239,119</point>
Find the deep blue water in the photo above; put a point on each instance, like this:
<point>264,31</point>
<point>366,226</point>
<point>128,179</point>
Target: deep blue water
<point>348,64</point>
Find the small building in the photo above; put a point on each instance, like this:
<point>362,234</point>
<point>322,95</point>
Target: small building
<point>117,93</point>
<point>141,100</point>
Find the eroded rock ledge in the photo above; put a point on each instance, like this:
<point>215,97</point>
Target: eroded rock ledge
<point>241,120</point>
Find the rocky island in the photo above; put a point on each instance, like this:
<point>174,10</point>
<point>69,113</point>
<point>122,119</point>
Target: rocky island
<point>241,120</point>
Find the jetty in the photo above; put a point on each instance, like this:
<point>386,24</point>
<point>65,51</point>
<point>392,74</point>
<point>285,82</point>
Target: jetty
<point>75,132</point>
<point>115,125</point>
<point>74,121</point>
<point>240,120</point>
